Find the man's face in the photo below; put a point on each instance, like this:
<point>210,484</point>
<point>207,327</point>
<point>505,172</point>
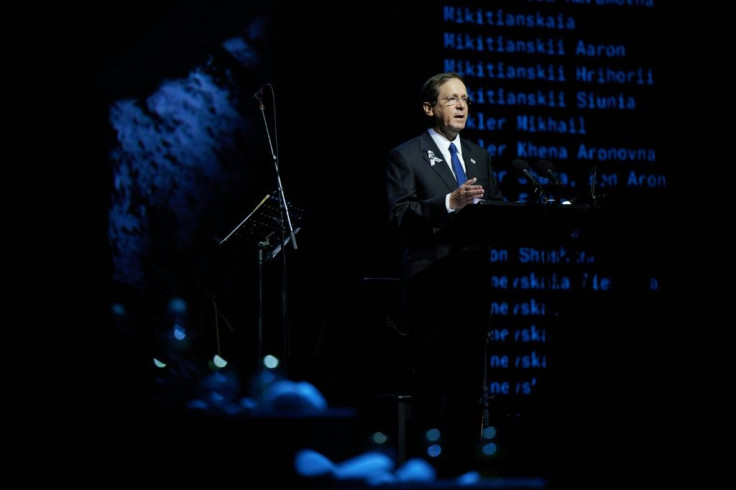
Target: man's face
<point>450,119</point>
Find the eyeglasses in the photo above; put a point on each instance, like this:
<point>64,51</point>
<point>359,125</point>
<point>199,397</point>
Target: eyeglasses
<point>453,100</point>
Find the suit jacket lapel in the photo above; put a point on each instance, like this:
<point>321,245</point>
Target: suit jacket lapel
<point>433,156</point>
<point>470,162</point>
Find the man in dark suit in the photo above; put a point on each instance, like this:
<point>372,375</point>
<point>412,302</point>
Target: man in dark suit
<point>446,289</point>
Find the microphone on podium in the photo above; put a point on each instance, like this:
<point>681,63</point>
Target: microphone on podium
<point>522,169</point>
<point>546,168</point>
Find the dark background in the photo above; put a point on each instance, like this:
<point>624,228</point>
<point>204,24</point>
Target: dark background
<point>341,87</point>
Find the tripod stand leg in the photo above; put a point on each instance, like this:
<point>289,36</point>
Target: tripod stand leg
<point>485,402</point>
<point>259,355</point>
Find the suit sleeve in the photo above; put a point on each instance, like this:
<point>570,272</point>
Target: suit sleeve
<point>412,202</point>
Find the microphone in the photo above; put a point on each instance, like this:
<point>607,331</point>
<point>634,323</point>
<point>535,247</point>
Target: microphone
<point>523,169</point>
<point>545,167</point>
<point>258,94</point>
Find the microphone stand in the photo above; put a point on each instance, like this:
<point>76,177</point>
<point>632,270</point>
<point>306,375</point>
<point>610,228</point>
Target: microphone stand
<point>597,197</point>
<point>282,198</point>
<point>259,360</point>
<point>542,197</point>
<point>486,395</point>
<point>284,211</point>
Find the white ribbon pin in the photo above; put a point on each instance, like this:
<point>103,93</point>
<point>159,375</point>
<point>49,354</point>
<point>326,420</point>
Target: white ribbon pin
<point>433,159</point>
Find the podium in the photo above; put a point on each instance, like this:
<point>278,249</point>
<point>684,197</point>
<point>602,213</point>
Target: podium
<point>497,222</point>
<point>574,314</point>
<point>543,273</point>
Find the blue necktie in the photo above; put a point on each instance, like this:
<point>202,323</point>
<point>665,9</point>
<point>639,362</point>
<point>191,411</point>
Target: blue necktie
<point>457,167</point>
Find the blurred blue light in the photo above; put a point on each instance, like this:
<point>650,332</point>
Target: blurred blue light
<point>364,465</point>
<point>311,463</point>
<point>271,362</point>
<point>434,450</point>
<point>433,435</point>
<point>489,449</point>
<point>118,309</point>
<point>177,306</point>
<point>416,469</point>
<point>219,361</point>
<point>379,437</point>
<point>179,332</point>
<point>469,478</point>
<point>489,432</point>
<point>267,377</point>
